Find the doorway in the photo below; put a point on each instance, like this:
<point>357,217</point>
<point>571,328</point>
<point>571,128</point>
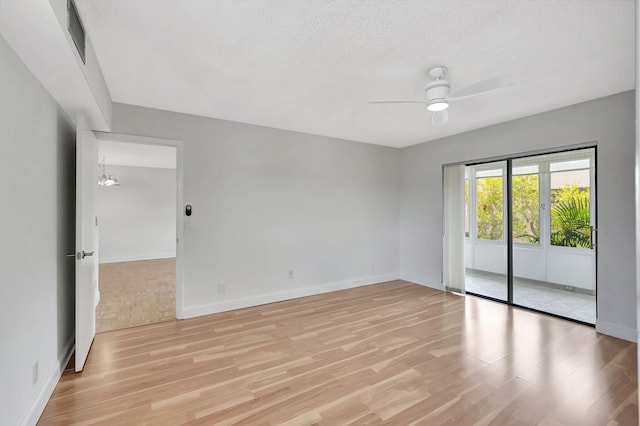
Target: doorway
<point>137,233</point>
<point>529,237</point>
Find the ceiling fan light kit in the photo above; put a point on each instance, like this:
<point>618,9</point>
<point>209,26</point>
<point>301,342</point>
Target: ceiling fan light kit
<point>437,105</point>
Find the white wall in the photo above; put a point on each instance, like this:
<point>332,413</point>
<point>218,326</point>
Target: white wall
<point>37,171</point>
<point>558,265</point>
<point>138,218</point>
<point>609,121</point>
<point>267,201</point>
<point>51,55</point>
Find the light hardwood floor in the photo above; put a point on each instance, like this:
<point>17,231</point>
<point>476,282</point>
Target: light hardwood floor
<point>136,293</point>
<point>392,353</point>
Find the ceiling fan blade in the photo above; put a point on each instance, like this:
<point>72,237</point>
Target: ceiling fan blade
<point>480,87</point>
<point>440,117</point>
<point>398,102</point>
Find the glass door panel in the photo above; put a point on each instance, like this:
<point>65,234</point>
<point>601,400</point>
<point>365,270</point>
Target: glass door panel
<point>485,245</point>
<point>552,210</point>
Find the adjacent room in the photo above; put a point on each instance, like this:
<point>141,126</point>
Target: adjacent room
<point>329,212</point>
<point>136,207</point>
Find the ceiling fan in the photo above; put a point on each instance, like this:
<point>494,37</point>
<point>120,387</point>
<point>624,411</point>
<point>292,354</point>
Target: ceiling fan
<point>438,93</point>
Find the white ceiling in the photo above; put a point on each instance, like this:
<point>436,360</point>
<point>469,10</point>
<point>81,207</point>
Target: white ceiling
<point>311,66</point>
<point>136,155</point>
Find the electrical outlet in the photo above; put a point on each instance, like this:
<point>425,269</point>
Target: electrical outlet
<point>290,274</point>
<point>221,289</point>
<point>34,377</point>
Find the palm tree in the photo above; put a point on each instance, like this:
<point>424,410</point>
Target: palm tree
<point>570,223</point>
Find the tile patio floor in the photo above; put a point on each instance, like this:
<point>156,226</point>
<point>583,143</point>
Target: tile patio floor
<point>577,306</point>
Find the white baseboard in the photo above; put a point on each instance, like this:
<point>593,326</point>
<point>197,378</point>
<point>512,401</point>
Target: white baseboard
<point>426,282</point>
<point>246,302</point>
<point>133,258</point>
<point>616,330</point>
<point>48,386</point>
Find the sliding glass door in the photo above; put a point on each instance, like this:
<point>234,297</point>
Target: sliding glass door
<point>529,232</point>
<point>486,257</point>
<point>554,258</point>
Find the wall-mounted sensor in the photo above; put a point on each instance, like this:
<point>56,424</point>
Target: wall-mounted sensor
<point>187,210</point>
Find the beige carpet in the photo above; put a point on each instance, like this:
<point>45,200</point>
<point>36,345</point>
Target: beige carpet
<point>136,293</point>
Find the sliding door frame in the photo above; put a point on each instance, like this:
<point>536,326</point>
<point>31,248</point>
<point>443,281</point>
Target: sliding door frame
<point>509,214</point>
<point>509,239</point>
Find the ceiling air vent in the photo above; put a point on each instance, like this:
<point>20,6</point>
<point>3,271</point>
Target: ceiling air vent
<point>76,29</point>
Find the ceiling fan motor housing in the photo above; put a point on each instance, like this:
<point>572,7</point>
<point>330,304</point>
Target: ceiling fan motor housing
<point>438,89</point>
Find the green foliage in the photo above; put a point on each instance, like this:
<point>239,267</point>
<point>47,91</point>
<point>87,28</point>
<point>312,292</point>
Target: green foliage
<point>570,211</point>
<point>489,208</point>
<point>526,210</point>
<point>571,217</point>
<point>569,192</point>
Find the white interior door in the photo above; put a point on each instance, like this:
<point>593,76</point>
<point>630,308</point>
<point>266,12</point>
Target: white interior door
<point>86,240</point>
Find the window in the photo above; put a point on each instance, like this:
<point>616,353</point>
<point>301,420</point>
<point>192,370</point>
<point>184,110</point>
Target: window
<point>489,200</point>
<point>526,204</point>
<point>551,196</point>
<point>571,203</point>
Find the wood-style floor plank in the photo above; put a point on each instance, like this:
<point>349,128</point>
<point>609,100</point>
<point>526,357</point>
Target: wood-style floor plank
<point>391,353</point>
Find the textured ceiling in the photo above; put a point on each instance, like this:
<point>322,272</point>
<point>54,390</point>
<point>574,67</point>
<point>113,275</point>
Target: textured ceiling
<point>311,66</point>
